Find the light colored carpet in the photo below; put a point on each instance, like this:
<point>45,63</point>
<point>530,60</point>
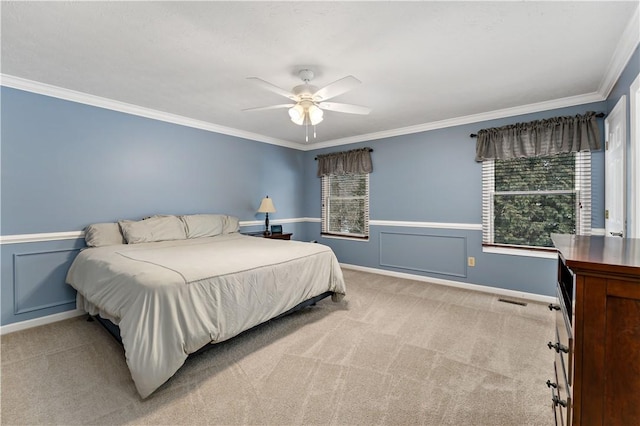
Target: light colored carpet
<point>392,352</point>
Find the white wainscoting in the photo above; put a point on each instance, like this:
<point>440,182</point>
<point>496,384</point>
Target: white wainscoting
<point>53,236</point>
<point>35,238</point>
<point>72,235</point>
<point>432,225</point>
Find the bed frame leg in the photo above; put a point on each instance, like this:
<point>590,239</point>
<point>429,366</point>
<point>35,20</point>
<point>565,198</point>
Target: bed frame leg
<point>89,318</point>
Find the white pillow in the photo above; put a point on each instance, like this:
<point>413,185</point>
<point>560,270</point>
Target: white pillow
<point>203,225</point>
<point>231,224</point>
<point>103,234</point>
<point>157,228</point>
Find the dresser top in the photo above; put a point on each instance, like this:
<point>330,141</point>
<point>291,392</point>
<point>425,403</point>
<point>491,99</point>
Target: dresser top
<point>613,254</point>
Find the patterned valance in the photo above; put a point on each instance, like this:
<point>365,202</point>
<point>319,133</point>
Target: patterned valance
<point>539,138</point>
<point>345,162</point>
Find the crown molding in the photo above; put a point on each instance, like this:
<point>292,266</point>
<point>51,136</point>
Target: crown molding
<point>621,56</point>
<point>100,102</point>
<point>468,119</point>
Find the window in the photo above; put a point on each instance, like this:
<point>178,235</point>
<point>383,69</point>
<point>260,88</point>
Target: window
<point>345,205</point>
<point>525,200</point>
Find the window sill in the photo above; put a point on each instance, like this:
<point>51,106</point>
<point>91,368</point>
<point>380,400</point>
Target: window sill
<point>511,251</point>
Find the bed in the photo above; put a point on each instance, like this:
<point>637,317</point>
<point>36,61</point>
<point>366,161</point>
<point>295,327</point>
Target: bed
<point>171,298</point>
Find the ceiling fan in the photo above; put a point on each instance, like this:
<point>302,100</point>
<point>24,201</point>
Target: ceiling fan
<point>309,101</point>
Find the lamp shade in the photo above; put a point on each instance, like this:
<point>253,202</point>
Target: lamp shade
<point>266,206</point>
<point>315,114</point>
<point>306,112</point>
<point>297,114</point>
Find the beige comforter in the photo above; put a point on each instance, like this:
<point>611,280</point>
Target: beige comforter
<point>172,298</point>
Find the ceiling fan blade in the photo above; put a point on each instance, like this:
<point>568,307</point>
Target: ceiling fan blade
<point>348,108</point>
<point>336,88</point>
<point>264,108</point>
<point>272,88</point>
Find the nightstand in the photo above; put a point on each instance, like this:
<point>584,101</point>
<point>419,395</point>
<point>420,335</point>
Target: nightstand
<point>279,236</point>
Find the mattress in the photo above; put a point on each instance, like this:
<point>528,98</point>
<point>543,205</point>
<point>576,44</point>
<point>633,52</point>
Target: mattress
<point>172,298</point>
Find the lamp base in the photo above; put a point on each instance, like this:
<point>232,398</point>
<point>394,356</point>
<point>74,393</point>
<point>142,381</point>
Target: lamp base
<point>266,225</point>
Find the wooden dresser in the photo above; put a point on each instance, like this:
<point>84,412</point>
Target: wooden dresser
<point>597,366</point>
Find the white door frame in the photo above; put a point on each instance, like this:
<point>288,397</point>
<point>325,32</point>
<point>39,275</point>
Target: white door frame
<point>615,191</point>
<point>634,165</point>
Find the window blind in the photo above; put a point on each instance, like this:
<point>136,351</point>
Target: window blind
<point>488,184</point>
<point>345,205</point>
<point>526,199</point>
<point>583,186</point>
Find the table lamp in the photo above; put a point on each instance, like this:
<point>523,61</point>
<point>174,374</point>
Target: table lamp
<point>266,206</point>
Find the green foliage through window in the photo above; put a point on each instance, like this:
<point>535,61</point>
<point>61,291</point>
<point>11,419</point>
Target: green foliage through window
<point>533,198</point>
<point>536,173</point>
<point>529,220</point>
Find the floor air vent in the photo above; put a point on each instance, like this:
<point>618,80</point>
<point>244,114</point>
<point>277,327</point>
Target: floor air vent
<point>513,302</point>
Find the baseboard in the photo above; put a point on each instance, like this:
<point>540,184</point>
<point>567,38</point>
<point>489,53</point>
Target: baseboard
<point>474,287</point>
<point>36,322</point>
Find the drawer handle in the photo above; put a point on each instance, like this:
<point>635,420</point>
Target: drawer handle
<point>558,347</point>
<point>557,401</point>
<point>550,384</point>
<point>553,307</point>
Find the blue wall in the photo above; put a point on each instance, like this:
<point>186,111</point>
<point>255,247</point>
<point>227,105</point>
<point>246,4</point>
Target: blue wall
<point>433,177</point>
<point>66,165</point>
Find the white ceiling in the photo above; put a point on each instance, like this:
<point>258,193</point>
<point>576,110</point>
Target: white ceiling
<point>422,64</point>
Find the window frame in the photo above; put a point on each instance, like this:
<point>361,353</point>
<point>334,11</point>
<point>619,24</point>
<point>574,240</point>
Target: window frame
<point>326,212</point>
<point>582,191</point>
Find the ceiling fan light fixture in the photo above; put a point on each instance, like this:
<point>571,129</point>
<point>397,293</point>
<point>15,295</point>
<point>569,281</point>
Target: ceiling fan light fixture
<point>297,114</point>
<point>309,102</point>
<point>315,114</point>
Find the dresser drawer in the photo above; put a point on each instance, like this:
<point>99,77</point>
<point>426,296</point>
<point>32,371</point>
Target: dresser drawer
<point>557,415</point>
<point>561,397</point>
<point>563,344</point>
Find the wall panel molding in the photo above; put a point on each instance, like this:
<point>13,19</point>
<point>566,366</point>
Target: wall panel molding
<point>30,280</point>
<point>434,254</point>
